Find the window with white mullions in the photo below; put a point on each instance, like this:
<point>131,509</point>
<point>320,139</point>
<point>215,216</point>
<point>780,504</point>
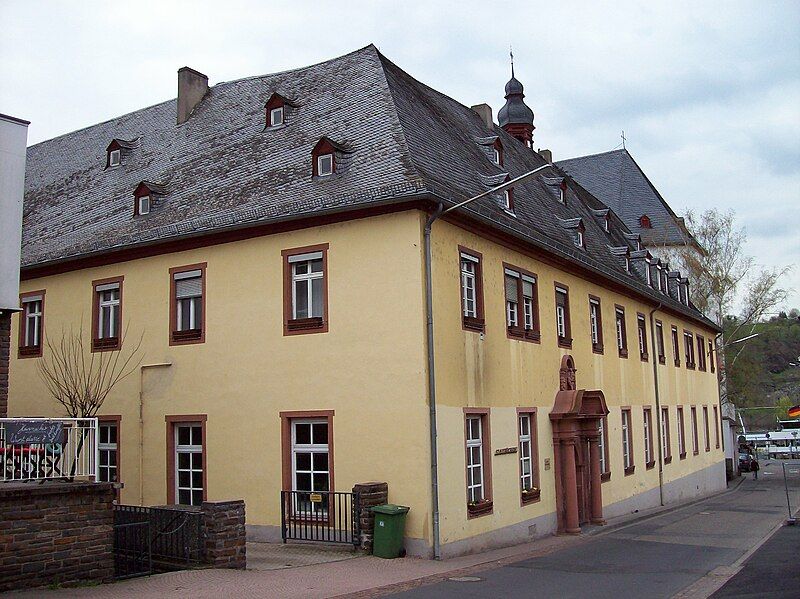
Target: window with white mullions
<point>475,480</point>
<point>108,311</point>
<point>468,286</point>
<point>310,465</point>
<point>527,474</point>
<point>276,116</point>
<point>107,448</point>
<point>188,300</point>
<point>512,298</point>
<point>648,436</point>
<point>189,463</point>
<point>601,445</point>
<point>307,286</point>
<point>33,322</point>
<point>527,301</point>
<point>626,440</point>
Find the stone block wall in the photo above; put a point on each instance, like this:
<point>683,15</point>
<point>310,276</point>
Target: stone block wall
<point>370,495</point>
<point>5,358</point>
<point>55,533</point>
<point>224,534</point>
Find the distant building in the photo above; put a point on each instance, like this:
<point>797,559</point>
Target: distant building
<point>267,236</point>
<point>13,139</point>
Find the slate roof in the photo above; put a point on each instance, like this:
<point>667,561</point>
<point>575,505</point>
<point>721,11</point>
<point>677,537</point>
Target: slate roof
<point>618,181</point>
<point>223,169</point>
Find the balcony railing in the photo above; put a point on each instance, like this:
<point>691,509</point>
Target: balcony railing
<point>48,449</point>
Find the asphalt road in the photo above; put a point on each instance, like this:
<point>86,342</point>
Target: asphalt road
<point>655,557</point>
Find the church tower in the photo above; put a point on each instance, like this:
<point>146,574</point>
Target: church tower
<point>515,117</point>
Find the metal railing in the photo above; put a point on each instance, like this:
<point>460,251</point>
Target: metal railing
<point>41,449</point>
<point>321,516</point>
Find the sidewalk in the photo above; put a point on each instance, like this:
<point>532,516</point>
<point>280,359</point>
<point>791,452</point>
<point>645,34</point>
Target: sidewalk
<point>368,576</point>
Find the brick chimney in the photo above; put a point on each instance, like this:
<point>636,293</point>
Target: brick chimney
<point>485,112</point>
<point>547,155</point>
<point>192,87</point>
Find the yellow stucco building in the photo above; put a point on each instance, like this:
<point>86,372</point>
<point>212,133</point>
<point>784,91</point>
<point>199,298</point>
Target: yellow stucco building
<point>269,251</point>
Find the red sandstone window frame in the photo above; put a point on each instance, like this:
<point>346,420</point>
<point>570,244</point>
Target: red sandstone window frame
<point>189,336</point>
<point>597,347</point>
<point>676,346</point>
<point>531,497</point>
<point>23,350</point>
<point>701,353</point>
<point>716,427</point>
<point>475,323</point>
<point>665,435</point>
<point>487,506</point>
<point>688,348</point>
<point>605,474</point>
<point>707,437</point>
<point>711,359</point>
<point>304,326</point>
<point>662,358</point>
<point>695,436</point>
<point>681,433</point>
<point>631,467</point>
<point>620,330</point>
<point>171,422</point>
<point>562,291</point>
<point>647,426</point>
<point>641,331</point>
<point>106,343</point>
<point>519,331</point>
<point>116,420</point>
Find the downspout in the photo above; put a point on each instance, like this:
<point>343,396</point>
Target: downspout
<point>658,406</point>
<point>439,212</point>
<point>141,424</point>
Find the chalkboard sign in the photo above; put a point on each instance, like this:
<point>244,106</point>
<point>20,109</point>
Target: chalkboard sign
<point>29,432</point>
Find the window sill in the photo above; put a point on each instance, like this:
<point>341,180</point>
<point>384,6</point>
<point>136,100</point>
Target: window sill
<point>651,464</point>
<point>479,509</point>
<point>186,336</point>
<point>677,363</point>
<point>690,366</point>
<point>523,335</point>
<point>662,360</point>
<point>531,496</point>
<point>629,470</point>
<point>605,476</point>
<point>644,357</point>
<point>696,452</point>
<point>105,344</point>
<point>668,459</point>
<point>470,323</point>
<point>598,349</point>
<point>305,324</point>
<point>623,353</point>
<point>565,343</point>
<point>30,351</point>
<point>683,456</point>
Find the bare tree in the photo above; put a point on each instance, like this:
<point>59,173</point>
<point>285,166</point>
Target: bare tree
<point>81,380</point>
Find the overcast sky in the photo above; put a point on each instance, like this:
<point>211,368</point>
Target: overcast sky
<point>709,97</point>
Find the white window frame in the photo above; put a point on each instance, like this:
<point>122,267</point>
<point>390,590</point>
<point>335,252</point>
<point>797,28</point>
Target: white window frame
<point>311,507</point>
<point>273,121</point>
<point>188,449</point>
<point>526,451</point>
<point>469,285</point>
<point>665,452</point>
<point>105,448</point>
<point>619,320</point>
<point>601,445</point>
<point>321,160</point>
<point>144,204</point>
<point>626,448</point>
<point>647,419</point>
<point>33,320</point>
<point>594,309</point>
<point>507,200</point>
<point>114,158</point>
<point>681,423</point>
<point>659,333</point>
<point>527,302</point>
<point>512,303</point>
<point>561,314</point>
<point>648,274</point>
<point>496,156</point>
<point>309,277</point>
<point>194,301</point>
<point>695,435</point>
<point>579,238</point>
<point>476,489</point>
<point>108,306</point>
<point>640,332</point>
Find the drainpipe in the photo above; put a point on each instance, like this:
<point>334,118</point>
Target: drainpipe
<point>658,405</point>
<point>141,424</point>
<point>438,213</point>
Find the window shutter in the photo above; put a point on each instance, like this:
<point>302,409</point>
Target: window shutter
<point>189,288</point>
<point>512,284</point>
<point>527,287</point>
<point>107,287</point>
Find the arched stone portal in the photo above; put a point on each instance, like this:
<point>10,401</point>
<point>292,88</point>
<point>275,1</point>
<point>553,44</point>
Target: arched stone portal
<point>575,418</point>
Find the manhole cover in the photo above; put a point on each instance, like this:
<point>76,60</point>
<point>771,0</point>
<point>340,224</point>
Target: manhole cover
<point>465,579</point>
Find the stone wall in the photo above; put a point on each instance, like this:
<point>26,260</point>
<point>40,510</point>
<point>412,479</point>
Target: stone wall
<point>224,534</point>
<point>55,533</point>
<point>5,358</point>
<point>370,495</point>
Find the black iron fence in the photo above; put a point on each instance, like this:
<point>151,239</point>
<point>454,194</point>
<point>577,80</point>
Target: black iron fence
<point>323,516</point>
<point>149,539</point>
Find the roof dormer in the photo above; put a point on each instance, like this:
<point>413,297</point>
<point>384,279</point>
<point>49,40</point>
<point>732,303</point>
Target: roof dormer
<point>558,187</point>
<point>116,151</point>
<point>277,110</point>
<point>145,196</point>
<point>328,157</point>
<point>604,217</point>
<point>644,222</point>
<point>636,239</point>
<point>623,252</point>
<point>577,228</point>
<point>493,146</point>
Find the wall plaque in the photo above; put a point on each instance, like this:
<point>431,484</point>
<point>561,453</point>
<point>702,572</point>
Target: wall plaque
<point>505,450</point>
<point>547,463</point>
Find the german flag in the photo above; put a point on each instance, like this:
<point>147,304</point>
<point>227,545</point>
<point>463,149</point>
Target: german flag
<point>794,412</point>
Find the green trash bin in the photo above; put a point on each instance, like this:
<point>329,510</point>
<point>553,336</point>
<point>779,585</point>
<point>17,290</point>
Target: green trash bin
<point>390,522</point>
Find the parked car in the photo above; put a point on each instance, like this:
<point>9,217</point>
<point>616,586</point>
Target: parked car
<point>745,462</point>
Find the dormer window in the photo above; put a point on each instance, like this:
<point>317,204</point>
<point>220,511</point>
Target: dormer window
<point>116,150</point>
<point>606,225</point>
<point>114,157</point>
<point>627,264</point>
<point>579,238</point>
<point>562,193</point>
<point>508,200</point>
<point>145,195</point>
<point>497,152</point>
<point>648,272</point>
<point>644,222</point>
<point>324,165</point>
<point>143,205</point>
<point>276,116</point>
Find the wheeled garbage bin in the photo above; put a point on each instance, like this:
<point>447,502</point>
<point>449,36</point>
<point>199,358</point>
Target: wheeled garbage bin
<point>390,522</point>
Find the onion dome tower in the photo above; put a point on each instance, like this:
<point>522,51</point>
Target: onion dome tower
<point>515,117</point>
